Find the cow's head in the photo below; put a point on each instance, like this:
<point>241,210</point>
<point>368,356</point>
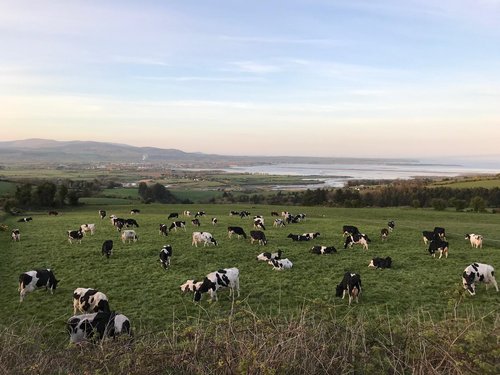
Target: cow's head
<point>468,282</point>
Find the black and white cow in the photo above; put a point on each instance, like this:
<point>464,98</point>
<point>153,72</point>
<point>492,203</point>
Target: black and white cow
<point>214,221</point>
<point>259,223</point>
<point>25,219</point>
<point>428,236</point>
<point>312,235</point>
<point>351,283</point>
<point>173,215</point>
<point>191,286</point>
<point>244,214</point>
<point>103,324</point>
<point>476,240</point>
<point>234,213</point>
<point>15,235</point>
<point>349,230</point>
<point>200,213</point>
<point>107,248</point>
<point>323,250</point>
<point>204,237</point>
<point>134,211</point>
<point>223,278</point>
<point>102,214</point>
<point>131,223</point>
<point>300,217</point>
<point>380,262</point>
<point>165,255</point>
<point>177,224</point>
<point>187,213</point>
<point>274,213</point>
<point>75,235</point>
<point>40,278</point>
<point>259,236</point>
<point>196,222</point>
<point>163,229</point>
<point>117,222</point>
<point>384,233</point>
<point>279,223</point>
<point>438,245</point>
<point>236,230</point>
<point>280,264</point>
<point>441,232</point>
<point>391,225</point>
<point>298,237</point>
<point>359,238</point>
<point>266,256</point>
<point>478,272</point>
<point>88,300</point>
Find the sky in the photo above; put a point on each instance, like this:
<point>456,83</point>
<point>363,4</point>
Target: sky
<point>353,78</point>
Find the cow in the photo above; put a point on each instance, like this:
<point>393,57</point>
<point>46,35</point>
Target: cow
<point>163,230</point>
<point>173,215</point>
<point>25,219</point>
<point>234,213</point>
<point>223,278</point>
<point>244,214</point>
<point>104,324</point>
<point>204,237</point>
<point>236,230</point>
<point>285,213</point>
<point>323,250</point>
<point>428,236</point>
<point>15,235</point>
<point>129,235</point>
<point>75,235</point>
<point>359,238</point>
<point>102,214</point>
<point>300,217</point>
<point>165,255</point>
<point>380,262</point>
<point>40,278</point>
<point>187,213</point>
<point>131,223</point>
<point>200,213</point>
<point>269,256</point>
<point>476,240</point>
<point>259,224</point>
<point>312,235</point>
<point>278,223</point>
<point>438,245</point>
<point>134,211</point>
<point>351,283</point>
<point>191,286</point>
<point>391,224</point>
<point>117,222</point>
<point>88,228</point>
<point>107,248</point>
<point>257,235</point>
<point>478,272</point>
<point>214,221</point>
<point>384,233</point>
<point>280,264</point>
<point>298,237</point>
<point>290,219</point>
<point>274,213</point>
<point>349,230</point>
<point>87,300</point>
<point>440,232</point>
<point>195,222</point>
<point>177,224</point>
<point>53,213</point>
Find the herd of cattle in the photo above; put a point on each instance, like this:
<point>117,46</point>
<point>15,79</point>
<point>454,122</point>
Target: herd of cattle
<point>96,319</point>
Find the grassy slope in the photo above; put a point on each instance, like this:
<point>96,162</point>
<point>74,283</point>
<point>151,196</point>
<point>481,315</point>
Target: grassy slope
<point>138,287</point>
<point>475,183</point>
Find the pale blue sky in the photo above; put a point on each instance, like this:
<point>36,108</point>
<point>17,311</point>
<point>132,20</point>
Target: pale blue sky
<point>414,78</point>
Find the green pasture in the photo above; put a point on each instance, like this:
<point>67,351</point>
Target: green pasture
<point>488,183</point>
<point>138,287</point>
<point>7,188</point>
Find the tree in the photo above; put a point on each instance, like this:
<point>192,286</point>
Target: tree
<point>61,195</point>
<point>438,204</point>
<point>44,194</point>
<point>23,194</point>
<point>73,198</point>
<point>478,204</point>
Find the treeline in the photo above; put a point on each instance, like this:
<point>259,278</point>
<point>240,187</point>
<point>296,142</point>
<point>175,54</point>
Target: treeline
<point>157,193</point>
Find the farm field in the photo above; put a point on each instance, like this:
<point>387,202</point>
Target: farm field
<point>487,183</point>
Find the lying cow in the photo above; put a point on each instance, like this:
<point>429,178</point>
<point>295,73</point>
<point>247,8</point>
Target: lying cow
<point>311,235</point>
<point>25,219</point>
<point>351,283</point>
<point>129,235</point>
<point>280,264</point>
<point>476,240</point>
<point>165,255</point>
<point>478,272</point>
<point>323,250</point>
<point>223,278</point>
<point>107,248</point>
<point>31,280</point>
<point>381,262</point>
<point>15,235</point>
<point>298,237</point>
<point>88,300</point>
<point>204,237</point>
<point>266,256</point>
<point>104,324</point>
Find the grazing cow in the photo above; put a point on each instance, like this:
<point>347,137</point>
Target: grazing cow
<point>187,213</point>
<point>15,235</point>
<point>234,213</point>
<point>428,236</point>
<point>134,211</point>
<point>200,213</point>
<point>281,264</point>
<point>244,214</point>
<point>163,229</point>
<point>214,221</point>
<point>117,222</point>
<point>285,213</point>
<point>88,228</point>
<point>41,278</point>
<point>290,219</point>
<point>381,262</point>
<point>223,278</point>
<point>384,233</point>
<point>172,215</point>
<point>298,237</point>
<point>351,283</point>
<point>259,224</point>
<point>53,213</point>
<point>25,219</point>
<point>75,235</point>
<point>349,230</point>
<point>165,255</point>
<point>107,248</point>
<point>104,324</point>
<point>279,223</point>
<point>476,240</point>
<point>129,235</point>
<point>312,235</point>
<point>204,237</point>
<point>391,224</point>
<point>131,223</point>
<point>177,224</point>
<point>236,230</point>
<point>323,250</point>
<point>478,272</point>
<point>191,286</point>
<point>195,222</point>
<point>102,214</point>
<point>274,213</point>
<point>438,245</point>
<point>359,238</point>
<point>87,300</point>
<point>300,217</point>
<point>269,256</point>
<point>257,235</point>
<point>440,232</point>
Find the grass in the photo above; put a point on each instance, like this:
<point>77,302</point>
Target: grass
<point>469,183</point>
<point>7,188</point>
